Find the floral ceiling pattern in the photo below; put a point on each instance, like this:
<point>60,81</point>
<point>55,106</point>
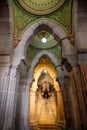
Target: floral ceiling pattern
<point>40,7</point>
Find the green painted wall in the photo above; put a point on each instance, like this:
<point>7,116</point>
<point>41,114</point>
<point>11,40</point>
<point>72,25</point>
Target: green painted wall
<point>32,52</point>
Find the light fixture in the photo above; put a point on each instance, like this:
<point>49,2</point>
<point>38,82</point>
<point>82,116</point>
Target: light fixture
<point>45,71</point>
<point>43,35</point>
<point>44,40</point>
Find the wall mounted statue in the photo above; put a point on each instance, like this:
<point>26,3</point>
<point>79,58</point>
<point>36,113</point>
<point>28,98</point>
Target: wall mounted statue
<point>45,85</point>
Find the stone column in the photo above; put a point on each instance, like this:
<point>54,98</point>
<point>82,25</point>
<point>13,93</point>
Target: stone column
<point>72,103</point>
<point>84,82</point>
<point>25,109</point>
<point>81,95</point>
<point>63,90</point>
<point>83,76</point>
<point>20,105</point>
<point>9,120</point>
<point>69,103</point>
<point>66,100</point>
<point>4,82</point>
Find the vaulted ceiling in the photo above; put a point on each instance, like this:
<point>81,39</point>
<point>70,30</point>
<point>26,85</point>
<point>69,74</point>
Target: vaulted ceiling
<point>40,7</point>
<point>23,18</point>
<point>27,12</point>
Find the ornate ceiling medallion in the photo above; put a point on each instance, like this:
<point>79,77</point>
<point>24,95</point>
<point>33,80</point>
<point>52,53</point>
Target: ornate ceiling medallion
<point>40,7</point>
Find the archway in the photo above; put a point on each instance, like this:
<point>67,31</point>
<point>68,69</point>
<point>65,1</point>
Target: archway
<point>58,33</point>
<point>20,50</point>
<point>46,110</point>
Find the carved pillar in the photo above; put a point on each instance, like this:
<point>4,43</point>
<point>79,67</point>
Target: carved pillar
<point>69,103</point>
<point>27,107</point>
<point>66,103</point>
<point>19,123</point>
<point>84,83</point>
<point>36,104</point>
<point>24,107</point>
<point>81,88</point>
<point>60,80</point>
<point>22,103</point>
<point>9,120</point>
<point>4,82</point>
<point>33,108</point>
<point>61,83</point>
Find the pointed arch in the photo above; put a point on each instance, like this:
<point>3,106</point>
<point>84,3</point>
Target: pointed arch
<point>36,60</point>
<point>57,32</point>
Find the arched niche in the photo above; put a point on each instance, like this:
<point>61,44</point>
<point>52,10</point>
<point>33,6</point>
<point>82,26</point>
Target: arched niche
<point>56,111</point>
<point>36,60</point>
<point>20,50</point>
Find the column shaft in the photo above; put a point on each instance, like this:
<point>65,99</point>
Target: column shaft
<point>9,120</point>
<point>69,103</point>
<point>81,93</point>
<point>24,107</point>
<point>4,82</point>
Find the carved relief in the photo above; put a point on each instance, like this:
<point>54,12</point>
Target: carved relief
<point>45,85</point>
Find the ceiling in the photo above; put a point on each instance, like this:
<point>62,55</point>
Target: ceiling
<point>37,41</point>
<point>61,13</point>
<point>37,46</point>
<point>23,18</point>
<point>40,7</point>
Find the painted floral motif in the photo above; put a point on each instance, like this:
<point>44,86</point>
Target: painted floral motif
<point>40,7</point>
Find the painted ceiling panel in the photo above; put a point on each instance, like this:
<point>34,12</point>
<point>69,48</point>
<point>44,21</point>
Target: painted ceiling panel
<point>23,19</point>
<point>40,7</point>
<point>37,42</point>
<point>32,52</point>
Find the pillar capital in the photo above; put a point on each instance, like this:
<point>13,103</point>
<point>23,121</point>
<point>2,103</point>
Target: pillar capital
<point>21,67</point>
